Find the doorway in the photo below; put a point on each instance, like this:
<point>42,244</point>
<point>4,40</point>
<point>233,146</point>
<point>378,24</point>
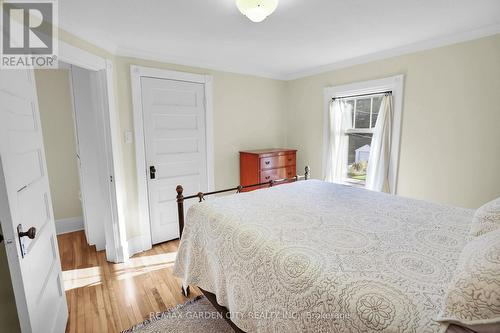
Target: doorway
<point>87,80</point>
<point>74,133</point>
<point>96,72</point>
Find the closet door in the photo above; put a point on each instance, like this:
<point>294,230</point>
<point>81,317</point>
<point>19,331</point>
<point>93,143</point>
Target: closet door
<point>176,148</point>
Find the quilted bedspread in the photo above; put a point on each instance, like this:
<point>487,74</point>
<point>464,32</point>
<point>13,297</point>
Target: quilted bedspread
<point>319,257</point>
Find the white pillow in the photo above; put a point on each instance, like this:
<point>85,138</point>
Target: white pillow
<point>473,296</point>
<point>486,218</point>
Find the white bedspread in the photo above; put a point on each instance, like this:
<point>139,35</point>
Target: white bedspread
<point>318,257</point>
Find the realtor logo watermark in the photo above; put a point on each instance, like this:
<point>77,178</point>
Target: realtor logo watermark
<point>29,34</point>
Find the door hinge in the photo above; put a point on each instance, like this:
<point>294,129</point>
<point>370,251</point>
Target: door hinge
<point>111,178</point>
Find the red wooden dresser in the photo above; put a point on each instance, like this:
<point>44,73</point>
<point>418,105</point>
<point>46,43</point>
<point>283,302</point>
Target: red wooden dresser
<point>263,165</point>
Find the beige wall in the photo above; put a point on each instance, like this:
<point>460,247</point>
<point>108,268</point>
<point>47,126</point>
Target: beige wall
<point>450,144</point>
<point>56,113</point>
<point>450,119</point>
<point>249,112</point>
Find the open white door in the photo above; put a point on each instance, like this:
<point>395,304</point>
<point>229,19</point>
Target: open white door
<point>89,131</point>
<point>25,203</point>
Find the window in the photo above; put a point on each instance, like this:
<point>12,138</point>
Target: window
<point>364,117</point>
<point>345,157</point>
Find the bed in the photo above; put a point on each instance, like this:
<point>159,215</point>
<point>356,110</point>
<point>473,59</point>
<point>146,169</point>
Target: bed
<point>313,256</point>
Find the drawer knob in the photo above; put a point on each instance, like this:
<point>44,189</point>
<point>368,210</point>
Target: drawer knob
<point>267,177</point>
<point>267,162</point>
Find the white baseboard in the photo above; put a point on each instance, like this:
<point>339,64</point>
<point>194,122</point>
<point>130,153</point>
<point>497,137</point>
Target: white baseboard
<point>136,245</point>
<point>70,224</point>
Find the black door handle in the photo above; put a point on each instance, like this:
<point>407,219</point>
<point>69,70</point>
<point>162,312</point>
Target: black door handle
<point>31,233</point>
<point>152,172</point>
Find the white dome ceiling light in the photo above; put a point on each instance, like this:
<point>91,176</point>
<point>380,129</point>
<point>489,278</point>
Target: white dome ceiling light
<point>257,10</point>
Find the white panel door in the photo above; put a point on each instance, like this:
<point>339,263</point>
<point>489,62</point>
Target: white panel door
<point>176,151</point>
<point>94,181</point>
<point>25,201</point>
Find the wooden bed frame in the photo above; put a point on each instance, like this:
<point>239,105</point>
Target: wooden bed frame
<point>201,196</point>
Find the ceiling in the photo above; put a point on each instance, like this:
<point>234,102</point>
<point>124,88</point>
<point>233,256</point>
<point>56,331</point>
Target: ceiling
<point>301,37</point>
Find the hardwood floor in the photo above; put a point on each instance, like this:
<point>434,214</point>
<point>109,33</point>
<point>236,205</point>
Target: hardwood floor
<point>106,297</point>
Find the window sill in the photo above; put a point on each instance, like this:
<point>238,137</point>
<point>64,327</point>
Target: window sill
<point>352,183</point>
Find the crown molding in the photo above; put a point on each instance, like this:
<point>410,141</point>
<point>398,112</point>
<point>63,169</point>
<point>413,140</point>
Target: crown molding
<point>96,40</point>
<point>175,60</point>
<point>407,49</point>
<point>115,50</point>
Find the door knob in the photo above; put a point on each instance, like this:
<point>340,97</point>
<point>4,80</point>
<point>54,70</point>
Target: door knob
<point>152,172</point>
<point>31,233</point>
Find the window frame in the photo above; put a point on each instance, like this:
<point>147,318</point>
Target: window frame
<point>394,84</point>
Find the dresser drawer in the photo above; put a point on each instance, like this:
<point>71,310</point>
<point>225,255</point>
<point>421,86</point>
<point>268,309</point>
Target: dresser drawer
<point>278,173</point>
<point>290,171</point>
<point>268,175</point>
<point>277,161</point>
<point>263,165</point>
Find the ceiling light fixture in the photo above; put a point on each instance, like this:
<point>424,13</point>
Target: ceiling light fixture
<point>257,10</point>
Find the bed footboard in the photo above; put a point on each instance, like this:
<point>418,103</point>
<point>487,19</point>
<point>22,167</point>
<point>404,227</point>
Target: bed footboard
<point>201,196</point>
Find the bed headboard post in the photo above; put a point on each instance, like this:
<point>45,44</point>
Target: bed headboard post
<point>307,174</point>
<point>180,208</point>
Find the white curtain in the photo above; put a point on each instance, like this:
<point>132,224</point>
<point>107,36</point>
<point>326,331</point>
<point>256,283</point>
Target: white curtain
<point>336,159</point>
<point>377,174</point>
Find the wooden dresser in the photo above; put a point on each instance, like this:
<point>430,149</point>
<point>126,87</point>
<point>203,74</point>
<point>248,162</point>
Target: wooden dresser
<point>259,166</point>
